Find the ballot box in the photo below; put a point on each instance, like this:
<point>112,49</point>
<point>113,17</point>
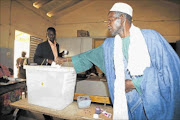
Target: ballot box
<point>50,87</point>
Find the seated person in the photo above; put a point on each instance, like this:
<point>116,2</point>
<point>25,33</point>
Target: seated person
<point>4,73</point>
<point>92,72</point>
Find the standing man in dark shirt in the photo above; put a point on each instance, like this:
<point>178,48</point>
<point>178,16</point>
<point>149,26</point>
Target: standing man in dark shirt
<point>47,51</point>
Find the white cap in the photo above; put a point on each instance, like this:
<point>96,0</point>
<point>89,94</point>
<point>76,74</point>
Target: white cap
<point>122,7</point>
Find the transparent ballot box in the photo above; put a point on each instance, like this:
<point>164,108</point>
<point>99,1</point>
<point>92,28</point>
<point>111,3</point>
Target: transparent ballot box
<point>50,86</point>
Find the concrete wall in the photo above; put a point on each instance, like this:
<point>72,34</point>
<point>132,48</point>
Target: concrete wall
<point>147,14</point>
<point>22,17</point>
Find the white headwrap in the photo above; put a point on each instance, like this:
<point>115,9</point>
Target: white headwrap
<point>138,60</point>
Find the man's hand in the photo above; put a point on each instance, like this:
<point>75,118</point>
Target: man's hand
<point>129,85</point>
<point>60,60</point>
<point>50,61</point>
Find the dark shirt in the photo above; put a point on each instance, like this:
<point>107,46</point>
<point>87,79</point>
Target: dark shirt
<point>44,52</point>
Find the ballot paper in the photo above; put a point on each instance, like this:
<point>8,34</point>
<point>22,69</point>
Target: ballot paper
<point>55,65</point>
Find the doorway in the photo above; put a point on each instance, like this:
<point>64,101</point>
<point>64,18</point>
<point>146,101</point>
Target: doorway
<point>21,43</point>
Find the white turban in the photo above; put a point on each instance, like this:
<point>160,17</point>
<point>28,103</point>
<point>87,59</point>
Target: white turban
<point>122,7</point>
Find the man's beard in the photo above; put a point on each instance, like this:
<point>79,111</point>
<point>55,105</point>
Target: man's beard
<point>119,28</point>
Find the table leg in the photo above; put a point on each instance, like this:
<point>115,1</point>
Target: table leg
<point>15,113</point>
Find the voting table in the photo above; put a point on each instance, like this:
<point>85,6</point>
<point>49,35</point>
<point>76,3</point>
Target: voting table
<point>70,112</point>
